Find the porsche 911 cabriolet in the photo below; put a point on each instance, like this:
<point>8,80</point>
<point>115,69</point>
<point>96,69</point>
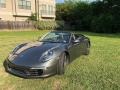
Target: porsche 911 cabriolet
<point>47,56</point>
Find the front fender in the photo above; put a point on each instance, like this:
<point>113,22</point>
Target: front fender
<point>61,50</point>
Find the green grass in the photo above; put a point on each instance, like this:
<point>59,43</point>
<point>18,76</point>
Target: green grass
<point>98,71</point>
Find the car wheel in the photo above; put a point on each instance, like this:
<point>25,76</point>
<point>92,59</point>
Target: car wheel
<point>4,63</point>
<point>87,49</point>
<point>62,63</point>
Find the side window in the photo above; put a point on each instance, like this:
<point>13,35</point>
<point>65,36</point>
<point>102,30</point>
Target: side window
<point>72,38</point>
<point>77,36</point>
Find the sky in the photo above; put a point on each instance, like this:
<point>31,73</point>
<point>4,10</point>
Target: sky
<point>61,1</point>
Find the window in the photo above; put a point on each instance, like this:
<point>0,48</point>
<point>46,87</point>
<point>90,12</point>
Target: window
<point>57,37</point>
<point>44,9</point>
<point>47,9</point>
<point>28,5</point>
<point>79,36</point>
<point>72,38</point>
<point>20,4</point>
<point>2,3</point>
<point>23,4</point>
<point>50,9</point>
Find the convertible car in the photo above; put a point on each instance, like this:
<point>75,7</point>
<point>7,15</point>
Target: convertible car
<point>47,56</point>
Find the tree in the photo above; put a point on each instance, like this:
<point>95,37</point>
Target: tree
<point>99,16</point>
<point>33,17</point>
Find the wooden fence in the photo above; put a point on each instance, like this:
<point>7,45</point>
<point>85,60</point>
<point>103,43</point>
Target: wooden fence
<point>16,25</point>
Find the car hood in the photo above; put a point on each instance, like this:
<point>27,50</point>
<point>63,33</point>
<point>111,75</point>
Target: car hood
<point>29,54</point>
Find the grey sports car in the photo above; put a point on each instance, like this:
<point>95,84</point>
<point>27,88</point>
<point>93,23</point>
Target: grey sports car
<point>47,56</point>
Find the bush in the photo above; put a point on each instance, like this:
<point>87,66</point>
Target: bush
<point>50,25</point>
<point>103,24</point>
<point>33,17</point>
<point>101,16</point>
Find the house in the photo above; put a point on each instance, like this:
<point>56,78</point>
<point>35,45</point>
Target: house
<point>20,10</point>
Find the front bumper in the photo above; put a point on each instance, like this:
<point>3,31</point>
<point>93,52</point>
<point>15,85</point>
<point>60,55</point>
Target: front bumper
<point>30,72</point>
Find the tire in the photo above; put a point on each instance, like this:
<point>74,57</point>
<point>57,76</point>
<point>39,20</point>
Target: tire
<point>4,63</point>
<point>62,63</point>
<point>87,52</point>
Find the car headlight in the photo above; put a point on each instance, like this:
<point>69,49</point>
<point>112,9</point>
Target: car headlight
<point>47,56</point>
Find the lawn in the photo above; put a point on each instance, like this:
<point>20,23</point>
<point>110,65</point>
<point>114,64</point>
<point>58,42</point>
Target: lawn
<point>98,71</point>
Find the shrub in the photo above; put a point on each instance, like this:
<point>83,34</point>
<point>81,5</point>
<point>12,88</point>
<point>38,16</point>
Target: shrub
<point>33,17</point>
<point>102,16</point>
<point>103,24</point>
<point>50,25</point>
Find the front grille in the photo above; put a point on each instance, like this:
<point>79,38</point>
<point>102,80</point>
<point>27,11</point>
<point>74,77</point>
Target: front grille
<point>36,72</point>
<point>16,68</point>
<point>26,71</point>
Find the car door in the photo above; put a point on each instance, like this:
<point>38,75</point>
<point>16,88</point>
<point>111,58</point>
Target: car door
<point>74,48</point>
<point>80,45</point>
<point>85,44</point>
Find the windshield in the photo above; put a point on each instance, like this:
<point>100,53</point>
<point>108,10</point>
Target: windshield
<point>57,37</point>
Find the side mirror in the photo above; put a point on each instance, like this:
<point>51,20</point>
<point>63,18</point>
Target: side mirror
<point>77,41</point>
